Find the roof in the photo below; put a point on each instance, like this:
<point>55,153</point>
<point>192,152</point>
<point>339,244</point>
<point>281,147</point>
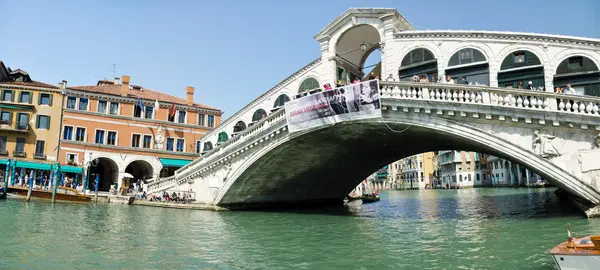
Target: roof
<point>32,84</point>
<point>369,12</point>
<point>111,89</point>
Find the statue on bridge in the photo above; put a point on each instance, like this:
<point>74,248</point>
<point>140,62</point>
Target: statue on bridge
<point>543,146</point>
<point>597,141</point>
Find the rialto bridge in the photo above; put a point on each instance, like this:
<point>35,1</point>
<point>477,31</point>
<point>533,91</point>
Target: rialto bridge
<point>253,159</point>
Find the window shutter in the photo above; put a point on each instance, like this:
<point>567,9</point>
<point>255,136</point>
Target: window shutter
<point>12,96</point>
<point>50,99</point>
<point>48,123</point>
<point>39,98</point>
<point>37,121</point>
<point>30,97</point>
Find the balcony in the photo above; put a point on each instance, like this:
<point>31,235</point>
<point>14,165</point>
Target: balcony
<point>7,125</point>
<point>19,153</point>
<point>39,156</point>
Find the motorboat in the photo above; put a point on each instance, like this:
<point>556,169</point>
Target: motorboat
<point>62,194</point>
<point>577,253</point>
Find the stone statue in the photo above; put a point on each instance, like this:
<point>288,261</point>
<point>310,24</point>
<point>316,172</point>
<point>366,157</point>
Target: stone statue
<point>597,141</point>
<point>159,138</point>
<point>542,145</point>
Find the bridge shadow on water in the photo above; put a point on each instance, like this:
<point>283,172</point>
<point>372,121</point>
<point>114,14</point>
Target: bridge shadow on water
<point>482,203</point>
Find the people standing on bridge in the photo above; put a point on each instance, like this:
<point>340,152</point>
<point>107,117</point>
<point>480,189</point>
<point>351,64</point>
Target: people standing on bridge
<point>449,80</point>
<point>570,90</point>
<point>530,85</point>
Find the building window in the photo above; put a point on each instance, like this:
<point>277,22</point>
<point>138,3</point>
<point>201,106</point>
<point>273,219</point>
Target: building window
<point>7,95</point>
<point>170,142</point>
<point>102,106</point>
<point>198,147</point>
<point>43,122</point>
<point>135,140</point>
<point>39,148</point>
<point>308,84</point>
<point>114,108</point>
<point>137,111</point>
<point>148,112</point>
<point>181,117</point>
<point>111,138</point>
<point>80,134</point>
<point>25,97</point>
<point>99,136</point>
<point>180,145</point>
<point>147,141</point>
<point>519,58</point>
<point>201,119</point>
<point>420,164</point>
<point>460,177</point>
<point>72,159</point>
<point>83,104</point>
<point>45,99</point>
<point>71,102</point>
<point>20,147</point>
<point>3,140</point>
<point>68,133</point>
<point>22,121</point>
<point>6,118</point>
<point>211,121</point>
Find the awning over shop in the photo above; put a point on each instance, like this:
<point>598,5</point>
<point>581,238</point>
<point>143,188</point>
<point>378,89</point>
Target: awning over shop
<point>171,162</point>
<point>16,107</point>
<point>33,165</point>
<point>71,169</point>
<point>3,161</point>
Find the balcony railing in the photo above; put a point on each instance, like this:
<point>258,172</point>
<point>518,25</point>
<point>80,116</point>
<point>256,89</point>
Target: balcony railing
<point>22,126</point>
<point>39,156</point>
<point>19,153</point>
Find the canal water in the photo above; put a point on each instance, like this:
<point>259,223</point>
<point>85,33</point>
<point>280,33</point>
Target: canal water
<point>499,228</point>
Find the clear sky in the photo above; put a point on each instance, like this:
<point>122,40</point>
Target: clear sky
<point>230,51</point>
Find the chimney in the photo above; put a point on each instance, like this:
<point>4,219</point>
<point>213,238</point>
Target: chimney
<point>63,85</point>
<point>116,80</point>
<point>125,85</point>
<point>189,91</point>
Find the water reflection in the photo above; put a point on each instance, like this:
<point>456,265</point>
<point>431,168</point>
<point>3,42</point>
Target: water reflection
<point>433,229</point>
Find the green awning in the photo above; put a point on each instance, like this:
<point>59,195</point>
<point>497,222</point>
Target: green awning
<point>16,107</point>
<point>171,162</point>
<point>71,169</point>
<point>33,165</point>
<point>3,161</point>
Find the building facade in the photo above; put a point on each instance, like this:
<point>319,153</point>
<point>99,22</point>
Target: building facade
<point>30,119</point>
<point>414,172</point>
<point>115,129</point>
<point>506,173</point>
<point>457,169</point>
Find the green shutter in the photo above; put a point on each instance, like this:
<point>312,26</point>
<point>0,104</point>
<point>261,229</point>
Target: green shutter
<point>30,97</point>
<point>50,99</point>
<point>14,93</point>
<point>40,99</point>
<point>48,125</point>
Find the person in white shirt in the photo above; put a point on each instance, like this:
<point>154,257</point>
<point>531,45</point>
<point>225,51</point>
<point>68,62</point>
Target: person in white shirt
<point>570,90</point>
<point>449,80</point>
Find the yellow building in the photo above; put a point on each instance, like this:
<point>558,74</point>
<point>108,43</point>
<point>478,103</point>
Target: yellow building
<point>30,123</point>
<point>414,172</point>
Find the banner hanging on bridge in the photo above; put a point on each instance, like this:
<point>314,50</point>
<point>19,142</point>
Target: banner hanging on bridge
<point>350,102</point>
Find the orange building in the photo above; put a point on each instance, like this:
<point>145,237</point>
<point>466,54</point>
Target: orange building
<point>115,130</point>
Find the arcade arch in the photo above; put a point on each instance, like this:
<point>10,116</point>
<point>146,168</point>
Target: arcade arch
<point>581,73</point>
<point>107,172</point>
<point>521,66</point>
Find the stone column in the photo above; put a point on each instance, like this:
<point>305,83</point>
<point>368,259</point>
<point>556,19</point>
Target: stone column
<point>527,174</point>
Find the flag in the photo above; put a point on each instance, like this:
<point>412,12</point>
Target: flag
<point>172,110</point>
<point>156,106</point>
<point>140,104</point>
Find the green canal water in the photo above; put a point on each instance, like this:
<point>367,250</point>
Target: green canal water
<point>429,229</point>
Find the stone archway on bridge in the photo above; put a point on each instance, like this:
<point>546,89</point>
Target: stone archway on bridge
<point>326,163</point>
<point>239,127</point>
<point>281,101</point>
<point>258,115</point>
<point>581,73</point>
<point>418,62</point>
<point>107,171</point>
<point>358,53</point>
<point>470,64</point>
<point>521,67</point>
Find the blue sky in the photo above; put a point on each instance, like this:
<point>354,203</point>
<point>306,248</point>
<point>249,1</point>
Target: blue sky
<point>230,51</point>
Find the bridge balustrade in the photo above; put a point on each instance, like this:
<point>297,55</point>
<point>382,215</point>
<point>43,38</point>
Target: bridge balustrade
<point>502,97</point>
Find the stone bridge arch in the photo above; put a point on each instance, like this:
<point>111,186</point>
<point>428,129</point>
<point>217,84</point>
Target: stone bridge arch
<point>324,164</point>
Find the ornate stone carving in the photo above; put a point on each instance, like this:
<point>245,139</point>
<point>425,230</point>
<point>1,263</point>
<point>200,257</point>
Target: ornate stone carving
<point>543,146</point>
<point>597,141</point>
<point>159,138</point>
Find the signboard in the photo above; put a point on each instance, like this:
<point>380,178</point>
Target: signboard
<point>350,102</point>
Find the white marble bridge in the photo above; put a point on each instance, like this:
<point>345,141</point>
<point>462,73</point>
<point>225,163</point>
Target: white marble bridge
<point>555,135</point>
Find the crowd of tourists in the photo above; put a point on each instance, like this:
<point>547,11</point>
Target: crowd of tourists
<point>175,197</point>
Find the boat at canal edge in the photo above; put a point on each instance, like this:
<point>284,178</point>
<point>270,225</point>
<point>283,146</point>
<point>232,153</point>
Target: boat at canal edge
<point>577,253</point>
<point>62,194</point>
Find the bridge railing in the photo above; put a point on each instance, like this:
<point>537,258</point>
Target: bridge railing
<point>265,123</point>
<point>495,96</point>
<point>161,184</point>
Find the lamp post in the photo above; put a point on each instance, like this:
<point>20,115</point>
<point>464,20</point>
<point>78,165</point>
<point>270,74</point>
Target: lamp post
<point>6,177</point>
